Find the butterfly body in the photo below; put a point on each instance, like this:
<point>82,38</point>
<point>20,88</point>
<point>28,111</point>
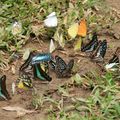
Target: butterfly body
<point>4,95</point>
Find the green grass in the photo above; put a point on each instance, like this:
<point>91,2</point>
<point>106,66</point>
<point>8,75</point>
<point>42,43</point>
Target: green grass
<point>31,13</point>
<point>103,102</point>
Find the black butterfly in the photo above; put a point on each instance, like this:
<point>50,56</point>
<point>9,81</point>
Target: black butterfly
<point>100,52</point>
<point>40,73</point>
<point>25,79</point>
<point>27,63</point>
<point>116,57</point>
<point>61,68</point>
<point>4,95</point>
<point>92,45</point>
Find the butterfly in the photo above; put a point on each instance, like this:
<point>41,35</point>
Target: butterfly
<point>61,68</point>
<point>51,20</point>
<point>52,46</point>
<point>73,30</point>
<point>92,45</point>
<point>82,28</point>
<point>16,28</point>
<point>40,72</point>
<point>27,62</point>
<point>24,82</point>
<point>100,52</point>
<point>114,62</point>
<point>4,95</point>
<point>116,57</point>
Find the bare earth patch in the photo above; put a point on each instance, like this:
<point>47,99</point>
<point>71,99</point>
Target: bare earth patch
<point>85,65</point>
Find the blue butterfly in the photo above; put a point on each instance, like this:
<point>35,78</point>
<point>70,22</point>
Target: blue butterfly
<point>39,64</point>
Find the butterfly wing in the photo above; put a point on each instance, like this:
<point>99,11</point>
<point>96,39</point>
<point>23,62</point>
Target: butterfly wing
<point>72,31</point>
<point>39,73</point>
<point>52,64</point>
<point>67,72</point>
<point>103,48</point>
<point>114,59</point>
<point>100,52</point>
<point>42,57</point>
<point>27,82</point>
<point>27,62</point>
<point>70,65</point>
<point>51,21</point>
<point>60,66</point>
<point>82,29</point>
<point>3,87</point>
<point>92,45</point>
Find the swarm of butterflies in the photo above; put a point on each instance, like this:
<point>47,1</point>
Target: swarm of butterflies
<point>38,66</point>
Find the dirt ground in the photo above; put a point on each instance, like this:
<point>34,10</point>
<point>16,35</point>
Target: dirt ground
<point>24,99</point>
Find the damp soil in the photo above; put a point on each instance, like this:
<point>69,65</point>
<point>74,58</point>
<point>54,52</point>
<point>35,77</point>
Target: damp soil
<point>84,65</point>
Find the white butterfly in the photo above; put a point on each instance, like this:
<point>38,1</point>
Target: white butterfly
<point>51,20</point>
<point>111,67</point>
<point>52,46</point>
<point>13,88</point>
<point>16,28</point>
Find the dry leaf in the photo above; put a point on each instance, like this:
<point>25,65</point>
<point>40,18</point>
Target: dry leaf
<point>20,111</point>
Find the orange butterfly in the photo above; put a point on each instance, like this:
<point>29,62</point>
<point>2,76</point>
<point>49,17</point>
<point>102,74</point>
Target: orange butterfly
<point>82,29</point>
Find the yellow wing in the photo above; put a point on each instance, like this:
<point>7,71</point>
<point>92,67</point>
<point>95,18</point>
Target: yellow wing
<point>21,86</point>
<point>73,30</point>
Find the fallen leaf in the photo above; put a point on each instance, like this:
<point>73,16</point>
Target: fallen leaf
<point>20,111</point>
<point>52,46</point>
